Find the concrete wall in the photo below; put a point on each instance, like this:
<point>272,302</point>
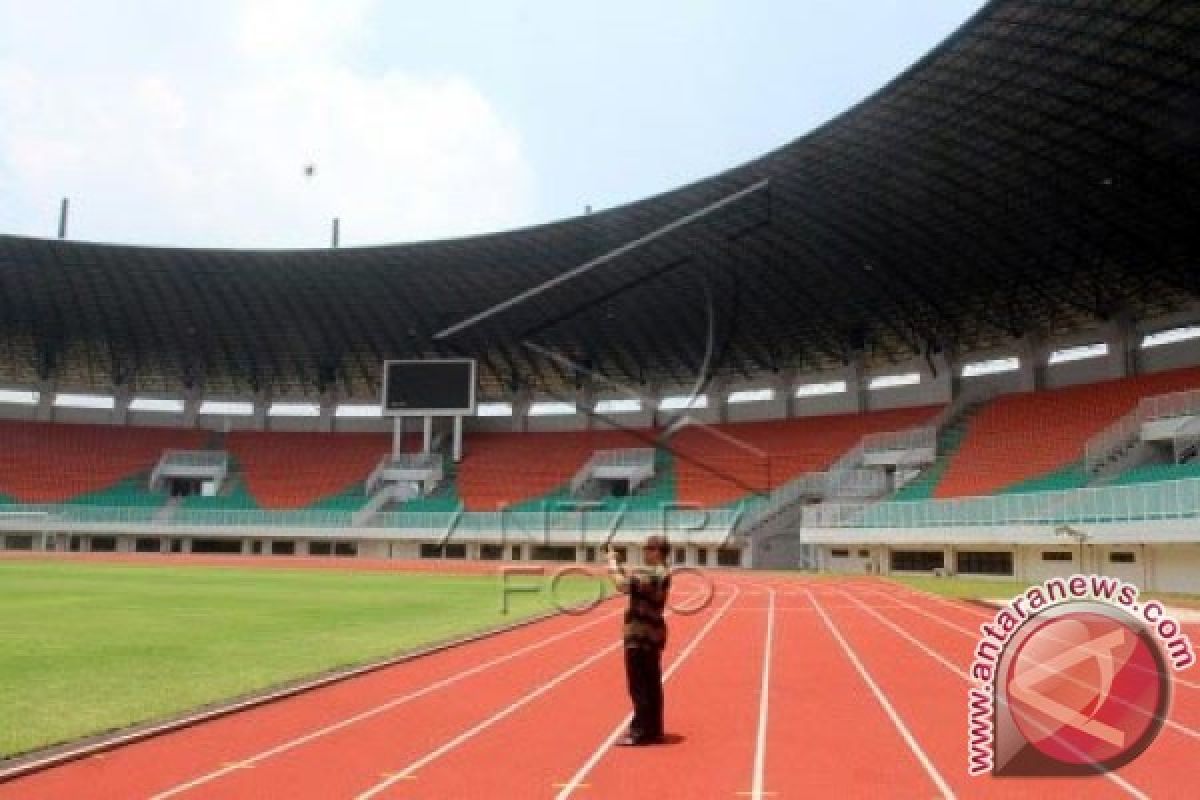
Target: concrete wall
<point>1157,567</point>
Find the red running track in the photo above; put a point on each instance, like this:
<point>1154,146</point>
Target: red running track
<point>779,688</point>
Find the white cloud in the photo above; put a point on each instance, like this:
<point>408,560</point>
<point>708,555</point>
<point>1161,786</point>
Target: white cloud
<point>203,141</point>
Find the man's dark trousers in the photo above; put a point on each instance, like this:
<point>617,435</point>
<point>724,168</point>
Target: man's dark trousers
<point>643,669</point>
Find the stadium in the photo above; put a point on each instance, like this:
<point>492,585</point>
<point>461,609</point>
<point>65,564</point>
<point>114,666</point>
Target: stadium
<point>946,343</point>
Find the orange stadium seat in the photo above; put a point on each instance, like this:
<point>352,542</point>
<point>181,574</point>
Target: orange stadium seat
<point>294,470</point>
<point>1021,436</point>
<point>501,469</point>
<point>43,462</point>
<point>718,464</point>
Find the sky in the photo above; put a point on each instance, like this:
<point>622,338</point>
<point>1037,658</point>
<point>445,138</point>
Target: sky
<point>191,124</point>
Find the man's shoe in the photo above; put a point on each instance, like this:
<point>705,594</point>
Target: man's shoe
<point>629,740</point>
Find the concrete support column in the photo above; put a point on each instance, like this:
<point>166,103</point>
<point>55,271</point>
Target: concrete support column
<point>856,381</point>
<point>585,401</point>
<point>328,406</point>
<point>718,398</point>
<point>784,385</point>
<point>1031,349</point>
<point>947,366</point>
<point>262,402</point>
<point>1123,345</point>
<point>122,397</point>
<point>44,411</point>
<point>522,399</point>
<point>192,397</point>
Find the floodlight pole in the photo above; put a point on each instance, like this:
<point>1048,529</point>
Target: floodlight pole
<point>336,238</point>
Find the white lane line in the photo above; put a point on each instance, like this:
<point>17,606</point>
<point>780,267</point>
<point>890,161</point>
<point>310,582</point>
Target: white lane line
<point>975,635</point>
<point>478,728</point>
<point>577,779</point>
<point>945,662</point>
<point>391,778</point>
<point>764,702</point>
<point>886,704</point>
<point>375,711</point>
<point>985,615</point>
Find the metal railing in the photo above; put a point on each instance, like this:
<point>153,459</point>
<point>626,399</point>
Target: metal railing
<point>1186,442</point>
<point>1128,428</point>
<point>432,463</point>
<point>195,458</point>
<point>676,521</point>
<point>1179,499</point>
<point>638,459</point>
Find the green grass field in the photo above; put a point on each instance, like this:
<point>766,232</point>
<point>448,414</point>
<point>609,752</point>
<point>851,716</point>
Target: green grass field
<point>968,589</point>
<point>89,648</point>
<point>964,588</point>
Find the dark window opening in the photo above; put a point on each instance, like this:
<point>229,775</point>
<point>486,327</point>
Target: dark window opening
<point>284,548</point>
<point>918,560</point>
<point>148,545</point>
<point>729,557</point>
<point>985,563</point>
<point>1122,558</point>
<point>1057,555</point>
<point>103,544</point>
<point>552,552</point>
<point>222,546</point>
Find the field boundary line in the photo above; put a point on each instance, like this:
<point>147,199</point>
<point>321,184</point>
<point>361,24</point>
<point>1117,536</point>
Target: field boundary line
<point>23,766</point>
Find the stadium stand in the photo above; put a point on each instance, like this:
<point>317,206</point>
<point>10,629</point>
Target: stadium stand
<point>720,464</point>
<point>1032,441</point>
<point>51,463</point>
<point>922,487</point>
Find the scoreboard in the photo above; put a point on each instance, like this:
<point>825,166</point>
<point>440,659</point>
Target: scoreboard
<point>429,387</point>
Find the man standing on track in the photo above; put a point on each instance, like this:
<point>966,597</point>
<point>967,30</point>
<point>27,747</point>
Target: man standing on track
<point>645,634</point>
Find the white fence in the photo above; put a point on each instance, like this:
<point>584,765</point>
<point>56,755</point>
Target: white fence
<point>689,523</point>
<point>1139,502</point>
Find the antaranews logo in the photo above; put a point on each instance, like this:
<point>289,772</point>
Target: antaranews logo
<point>1072,677</point>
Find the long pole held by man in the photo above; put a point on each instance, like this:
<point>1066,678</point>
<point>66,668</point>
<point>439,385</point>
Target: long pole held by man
<point>645,636</point>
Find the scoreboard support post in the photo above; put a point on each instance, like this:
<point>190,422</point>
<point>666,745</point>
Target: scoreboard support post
<point>397,436</point>
<point>428,388</point>
<point>458,436</point>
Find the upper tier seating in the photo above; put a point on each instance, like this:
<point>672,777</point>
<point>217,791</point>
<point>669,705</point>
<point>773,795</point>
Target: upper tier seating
<point>295,470</point>
<point>43,462</point>
<point>718,464</point>
<point>1021,436</point>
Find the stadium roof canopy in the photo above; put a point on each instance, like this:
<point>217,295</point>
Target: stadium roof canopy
<point>1035,173</point>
